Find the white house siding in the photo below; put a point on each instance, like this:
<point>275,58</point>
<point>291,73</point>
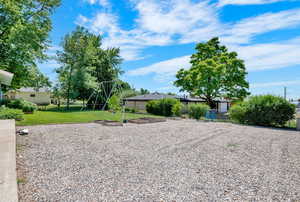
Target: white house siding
<point>222,107</point>
<point>139,105</point>
<point>39,98</point>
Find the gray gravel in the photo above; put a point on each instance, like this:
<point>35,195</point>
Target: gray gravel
<point>171,161</point>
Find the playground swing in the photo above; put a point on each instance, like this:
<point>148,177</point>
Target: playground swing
<point>105,91</point>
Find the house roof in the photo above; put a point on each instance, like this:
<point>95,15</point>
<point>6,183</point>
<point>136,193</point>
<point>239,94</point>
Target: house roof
<point>158,96</point>
<point>151,96</point>
<point>33,90</point>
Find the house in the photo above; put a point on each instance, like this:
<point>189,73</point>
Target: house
<point>39,97</point>
<point>139,102</point>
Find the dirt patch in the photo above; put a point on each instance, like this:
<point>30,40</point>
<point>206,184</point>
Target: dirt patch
<point>146,120</point>
<point>108,123</point>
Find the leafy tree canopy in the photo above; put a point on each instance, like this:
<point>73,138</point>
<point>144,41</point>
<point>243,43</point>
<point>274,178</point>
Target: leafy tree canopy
<point>215,73</point>
<point>24,28</point>
<point>85,64</point>
<point>144,91</point>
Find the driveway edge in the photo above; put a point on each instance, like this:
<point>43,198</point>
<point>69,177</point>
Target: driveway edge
<point>8,174</point>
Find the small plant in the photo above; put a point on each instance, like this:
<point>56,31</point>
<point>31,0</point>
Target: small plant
<point>7,113</point>
<point>232,145</point>
<point>177,109</point>
<point>131,110</point>
<point>21,181</point>
<point>197,111</point>
<point>28,108</point>
<point>114,103</point>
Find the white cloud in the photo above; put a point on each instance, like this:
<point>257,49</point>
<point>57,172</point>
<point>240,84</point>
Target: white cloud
<point>270,55</point>
<point>130,41</point>
<point>257,57</point>
<point>174,17</point>
<point>243,31</point>
<point>271,84</point>
<point>91,1</point>
<point>246,2</point>
<point>156,24</point>
<point>164,70</point>
<point>165,67</point>
<point>103,3</point>
<point>169,22</point>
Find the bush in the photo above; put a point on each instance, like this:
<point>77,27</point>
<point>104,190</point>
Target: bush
<point>177,109</point>
<point>237,112</point>
<point>7,113</point>
<point>131,110</point>
<point>114,103</point>
<point>4,102</point>
<point>264,110</point>
<point>162,107</point>
<point>29,108</point>
<point>15,104</point>
<point>197,111</point>
<point>22,104</point>
<point>152,107</point>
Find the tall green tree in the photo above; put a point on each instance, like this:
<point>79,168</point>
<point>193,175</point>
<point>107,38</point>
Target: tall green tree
<point>215,73</point>
<point>85,64</point>
<point>77,58</point>
<point>144,91</point>
<point>24,28</point>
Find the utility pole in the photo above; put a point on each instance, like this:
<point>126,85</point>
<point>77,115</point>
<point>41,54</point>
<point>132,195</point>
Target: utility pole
<point>284,92</point>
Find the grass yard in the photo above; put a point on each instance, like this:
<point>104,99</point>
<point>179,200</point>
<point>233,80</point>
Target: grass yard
<point>54,116</point>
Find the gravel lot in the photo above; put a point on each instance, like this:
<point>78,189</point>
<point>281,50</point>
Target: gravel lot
<point>177,160</point>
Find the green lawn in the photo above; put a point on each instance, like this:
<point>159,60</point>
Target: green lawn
<point>59,117</point>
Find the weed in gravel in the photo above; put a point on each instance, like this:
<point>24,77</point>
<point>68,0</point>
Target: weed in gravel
<point>232,145</point>
<point>21,181</point>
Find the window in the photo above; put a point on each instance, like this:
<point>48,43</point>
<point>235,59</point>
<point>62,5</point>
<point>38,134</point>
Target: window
<point>32,95</point>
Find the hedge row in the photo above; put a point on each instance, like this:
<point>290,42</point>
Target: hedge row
<point>21,104</point>
<point>163,107</point>
<point>173,107</point>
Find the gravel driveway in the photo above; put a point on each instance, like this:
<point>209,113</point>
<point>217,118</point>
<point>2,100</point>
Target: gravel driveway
<point>177,160</point>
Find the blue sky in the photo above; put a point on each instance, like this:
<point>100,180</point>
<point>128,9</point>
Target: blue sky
<point>157,37</point>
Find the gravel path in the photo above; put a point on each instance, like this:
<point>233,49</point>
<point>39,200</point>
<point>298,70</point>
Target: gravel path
<point>172,161</point>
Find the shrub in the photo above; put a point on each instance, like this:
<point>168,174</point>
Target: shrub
<point>237,112</point>
<point>29,108</point>
<point>114,103</point>
<point>15,104</point>
<point>152,107</point>
<point>184,109</point>
<point>177,109</point>
<point>4,102</point>
<point>162,107</point>
<point>197,111</point>
<point>7,113</point>
<point>131,110</point>
<point>22,104</point>
<point>264,110</point>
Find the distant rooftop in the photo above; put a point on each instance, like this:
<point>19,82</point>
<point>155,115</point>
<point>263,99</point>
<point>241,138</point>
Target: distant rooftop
<point>158,96</point>
<point>151,96</point>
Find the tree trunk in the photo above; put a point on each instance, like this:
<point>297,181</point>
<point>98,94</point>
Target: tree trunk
<point>69,88</point>
<point>211,103</point>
